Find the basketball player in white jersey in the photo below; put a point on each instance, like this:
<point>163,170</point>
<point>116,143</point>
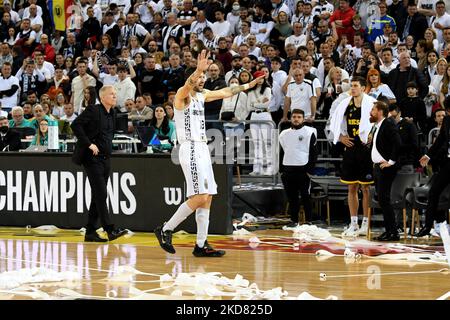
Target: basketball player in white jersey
<point>194,157</point>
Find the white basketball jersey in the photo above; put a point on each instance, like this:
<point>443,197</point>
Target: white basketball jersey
<point>190,122</point>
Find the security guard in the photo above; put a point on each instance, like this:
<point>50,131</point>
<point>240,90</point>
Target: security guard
<point>300,155</point>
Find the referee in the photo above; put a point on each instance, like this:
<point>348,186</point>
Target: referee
<point>300,155</point>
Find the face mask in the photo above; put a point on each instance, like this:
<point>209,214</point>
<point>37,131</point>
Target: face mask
<point>4,129</point>
<point>236,7</point>
<point>274,5</point>
<point>233,85</point>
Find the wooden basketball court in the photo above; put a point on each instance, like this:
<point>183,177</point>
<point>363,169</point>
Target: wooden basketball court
<point>271,263</point>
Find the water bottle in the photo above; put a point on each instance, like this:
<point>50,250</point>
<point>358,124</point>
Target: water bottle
<point>53,136</point>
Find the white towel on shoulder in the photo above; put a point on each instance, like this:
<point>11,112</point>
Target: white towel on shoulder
<point>338,125</point>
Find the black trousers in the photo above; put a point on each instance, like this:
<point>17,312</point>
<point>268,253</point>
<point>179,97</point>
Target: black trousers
<point>383,183</point>
<point>97,170</point>
<point>295,179</point>
<point>439,184</point>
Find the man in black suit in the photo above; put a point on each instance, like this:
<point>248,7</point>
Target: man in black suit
<point>386,143</point>
<point>439,152</point>
<point>415,23</point>
<point>9,140</point>
<point>94,129</point>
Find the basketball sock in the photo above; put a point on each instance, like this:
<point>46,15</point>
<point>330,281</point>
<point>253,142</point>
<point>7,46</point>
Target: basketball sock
<point>178,217</point>
<point>365,220</point>
<point>354,220</point>
<point>202,218</point>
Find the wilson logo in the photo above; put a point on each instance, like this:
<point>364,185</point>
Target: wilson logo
<point>172,196</point>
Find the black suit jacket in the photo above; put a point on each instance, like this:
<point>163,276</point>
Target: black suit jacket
<point>86,127</point>
<point>388,140</point>
<point>11,139</point>
<point>439,150</point>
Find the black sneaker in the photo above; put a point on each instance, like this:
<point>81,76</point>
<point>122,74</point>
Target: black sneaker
<point>207,251</point>
<point>165,239</point>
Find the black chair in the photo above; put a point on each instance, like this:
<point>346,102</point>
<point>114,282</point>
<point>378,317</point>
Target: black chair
<point>417,198</point>
<point>401,185</point>
<point>24,132</point>
<point>326,189</point>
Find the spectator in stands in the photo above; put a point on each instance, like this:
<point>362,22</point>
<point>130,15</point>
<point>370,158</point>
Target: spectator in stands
<point>150,80</point>
<point>431,66</point>
<point>70,47</point>
<point>444,91</point>
<point>169,111</point>
<point>59,84</point>
<point>79,83</point>
<point>282,31</point>
<point>39,115</point>
<point>69,114</point>
<point>142,112</point>
<point>18,120</point>
<point>223,54</point>
<point>350,125</point>
<point>214,82</point>
<point>164,128</point>
<point>89,97</point>
<point>375,28</point>
<point>173,78</point>
<point>375,88</point>
<point>5,55</point>
<point>262,25</point>
<point>47,69</point>
<point>47,49</point>
<point>9,88</point>
<point>416,23</point>
<point>440,21</point>
<point>341,19</point>
<point>422,48</point>
<point>234,109</point>
<point>125,88</point>
<point>258,100</point>
<point>28,110</point>
<point>30,78</point>
<point>413,107</point>
<point>334,87</point>
<point>430,37</point>
<point>388,64</point>
<point>404,73</point>
<point>5,25</point>
<point>58,106</point>
<point>9,139</point>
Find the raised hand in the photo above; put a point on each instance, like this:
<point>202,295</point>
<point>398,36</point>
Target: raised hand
<point>202,61</point>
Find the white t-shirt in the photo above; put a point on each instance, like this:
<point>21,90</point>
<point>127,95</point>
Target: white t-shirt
<point>6,84</point>
<point>221,29</point>
<point>295,144</point>
<point>301,95</point>
<point>108,79</point>
<point>144,12</point>
<point>26,12</point>
<point>296,41</point>
<point>444,21</point>
<point>427,4</point>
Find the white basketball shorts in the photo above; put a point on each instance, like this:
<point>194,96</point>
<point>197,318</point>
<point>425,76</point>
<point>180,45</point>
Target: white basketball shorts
<point>195,161</point>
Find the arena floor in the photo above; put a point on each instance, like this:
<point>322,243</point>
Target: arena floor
<point>131,268</point>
